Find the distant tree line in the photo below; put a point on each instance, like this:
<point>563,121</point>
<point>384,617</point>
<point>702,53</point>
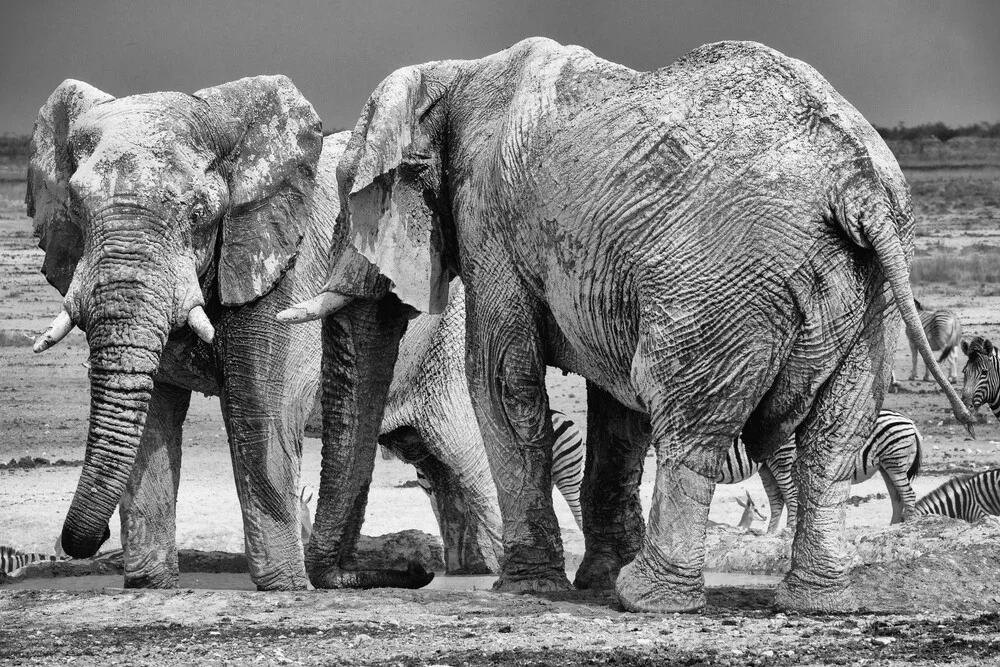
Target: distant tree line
<point>18,146</point>
<point>15,146</point>
<point>940,130</point>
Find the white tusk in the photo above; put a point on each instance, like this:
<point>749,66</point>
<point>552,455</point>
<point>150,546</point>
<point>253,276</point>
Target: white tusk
<point>319,306</point>
<point>200,324</point>
<point>60,326</point>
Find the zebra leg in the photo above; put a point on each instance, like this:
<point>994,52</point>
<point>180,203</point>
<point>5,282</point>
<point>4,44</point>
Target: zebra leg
<point>900,494</point>
<point>613,524</point>
<point>774,499</point>
<point>148,508</point>
<point>568,457</point>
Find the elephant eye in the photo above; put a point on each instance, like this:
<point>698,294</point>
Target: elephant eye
<point>197,213</point>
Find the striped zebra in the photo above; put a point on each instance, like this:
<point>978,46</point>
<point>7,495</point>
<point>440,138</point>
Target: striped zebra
<point>893,449</point>
<point>982,375</point>
<point>944,332</point>
<point>13,561</point>
<point>967,497</point>
<point>567,465</point>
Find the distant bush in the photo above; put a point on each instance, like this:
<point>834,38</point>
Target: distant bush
<point>940,130</point>
<point>14,339</point>
<point>15,146</point>
<point>975,265</point>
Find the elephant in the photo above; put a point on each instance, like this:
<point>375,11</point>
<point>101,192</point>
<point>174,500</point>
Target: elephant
<point>719,246</point>
<point>176,226</point>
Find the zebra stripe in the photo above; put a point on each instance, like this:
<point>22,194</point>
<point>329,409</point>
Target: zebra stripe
<point>12,560</point>
<point>567,465</point>
<point>567,462</point>
<point>944,331</point>
<point>982,375</point>
<point>967,497</point>
<point>893,448</point>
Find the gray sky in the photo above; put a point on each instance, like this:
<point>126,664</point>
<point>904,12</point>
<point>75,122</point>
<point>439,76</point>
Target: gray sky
<point>896,60</point>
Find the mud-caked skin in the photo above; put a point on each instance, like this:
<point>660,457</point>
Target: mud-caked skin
<point>719,243</point>
<point>151,206</point>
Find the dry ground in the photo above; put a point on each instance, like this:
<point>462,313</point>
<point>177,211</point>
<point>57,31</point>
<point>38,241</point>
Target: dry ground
<point>43,408</point>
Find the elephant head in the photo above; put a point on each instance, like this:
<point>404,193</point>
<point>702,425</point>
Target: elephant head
<point>146,206</point>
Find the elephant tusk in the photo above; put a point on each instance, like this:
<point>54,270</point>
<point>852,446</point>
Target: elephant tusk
<point>200,324</point>
<point>60,326</point>
<point>315,308</point>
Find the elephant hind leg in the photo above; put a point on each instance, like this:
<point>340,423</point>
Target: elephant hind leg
<point>697,407</point>
<point>828,443</point>
<point>613,524</point>
<point>667,573</point>
<point>506,372</point>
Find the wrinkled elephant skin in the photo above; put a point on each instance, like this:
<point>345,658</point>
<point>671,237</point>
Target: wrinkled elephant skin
<point>719,245</point>
<point>169,219</point>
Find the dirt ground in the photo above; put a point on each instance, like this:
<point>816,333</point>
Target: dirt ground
<point>951,584</point>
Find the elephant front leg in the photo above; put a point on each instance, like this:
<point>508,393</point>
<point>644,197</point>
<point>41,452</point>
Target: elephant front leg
<point>266,387</point>
<point>613,524</point>
<point>506,371</point>
<point>148,508</point>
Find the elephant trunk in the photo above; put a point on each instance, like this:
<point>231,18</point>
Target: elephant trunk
<point>121,380</point>
<point>127,304</point>
<point>360,345</point>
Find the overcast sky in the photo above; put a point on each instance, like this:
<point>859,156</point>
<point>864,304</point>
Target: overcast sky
<point>896,60</point>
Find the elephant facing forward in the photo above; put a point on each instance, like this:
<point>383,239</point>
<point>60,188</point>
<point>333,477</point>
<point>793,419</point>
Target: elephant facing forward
<point>717,246</point>
<point>165,215</point>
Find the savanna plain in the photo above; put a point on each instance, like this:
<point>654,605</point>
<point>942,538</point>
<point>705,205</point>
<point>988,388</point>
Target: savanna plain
<point>929,589</point>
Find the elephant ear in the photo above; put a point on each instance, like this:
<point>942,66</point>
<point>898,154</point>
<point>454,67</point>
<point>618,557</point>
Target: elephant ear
<point>270,145</point>
<point>49,171</point>
<point>389,179</point>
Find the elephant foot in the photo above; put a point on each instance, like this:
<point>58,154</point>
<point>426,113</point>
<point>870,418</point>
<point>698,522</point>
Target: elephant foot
<point>597,573</point>
<point>154,580</point>
<point>803,592</point>
<point>640,589</point>
<point>415,576</point>
<point>549,582</point>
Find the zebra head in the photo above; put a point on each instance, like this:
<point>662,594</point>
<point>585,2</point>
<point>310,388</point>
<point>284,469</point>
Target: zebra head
<point>981,375</point>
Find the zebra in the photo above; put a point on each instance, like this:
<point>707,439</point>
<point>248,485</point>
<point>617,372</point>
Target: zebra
<point>944,332</point>
<point>894,449</point>
<point>981,375</point>
<point>567,465</point>
<point>966,497</point>
<point>13,561</point>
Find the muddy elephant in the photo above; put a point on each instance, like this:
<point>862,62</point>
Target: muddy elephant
<point>167,217</point>
<point>717,246</point>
